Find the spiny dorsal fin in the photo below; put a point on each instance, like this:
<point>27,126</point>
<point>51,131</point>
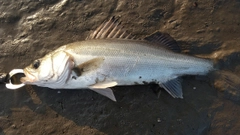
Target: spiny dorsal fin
<point>110,29</point>
<point>164,40</point>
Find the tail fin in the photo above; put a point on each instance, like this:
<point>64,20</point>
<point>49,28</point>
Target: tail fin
<point>228,83</point>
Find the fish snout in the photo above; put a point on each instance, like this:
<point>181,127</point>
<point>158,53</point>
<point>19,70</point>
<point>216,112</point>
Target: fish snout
<point>29,78</point>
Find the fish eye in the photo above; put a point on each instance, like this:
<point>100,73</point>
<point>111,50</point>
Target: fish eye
<point>36,64</point>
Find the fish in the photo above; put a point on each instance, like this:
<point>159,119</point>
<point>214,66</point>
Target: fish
<point>110,57</point>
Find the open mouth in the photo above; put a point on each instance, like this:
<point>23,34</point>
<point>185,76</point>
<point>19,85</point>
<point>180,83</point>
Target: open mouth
<point>29,78</point>
<point>14,79</point>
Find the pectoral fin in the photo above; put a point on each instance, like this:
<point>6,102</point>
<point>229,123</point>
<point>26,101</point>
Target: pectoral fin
<point>173,87</point>
<point>105,92</point>
<point>87,66</point>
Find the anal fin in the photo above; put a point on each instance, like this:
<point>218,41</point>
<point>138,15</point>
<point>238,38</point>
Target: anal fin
<point>173,87</point>
<point>105,92</point>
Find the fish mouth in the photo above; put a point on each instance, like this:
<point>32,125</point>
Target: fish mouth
<point>29,78</point>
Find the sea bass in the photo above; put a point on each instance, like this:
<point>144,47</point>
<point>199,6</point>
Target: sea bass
<point>110,57</point>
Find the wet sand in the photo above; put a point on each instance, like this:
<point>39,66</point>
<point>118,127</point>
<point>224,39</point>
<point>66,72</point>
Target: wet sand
<point>207,29</point>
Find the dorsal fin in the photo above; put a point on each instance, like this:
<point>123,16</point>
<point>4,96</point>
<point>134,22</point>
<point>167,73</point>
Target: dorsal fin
<point>165,40</point>
<point>110,29</point>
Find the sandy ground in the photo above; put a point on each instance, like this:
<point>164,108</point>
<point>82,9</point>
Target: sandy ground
<point>206,28</point>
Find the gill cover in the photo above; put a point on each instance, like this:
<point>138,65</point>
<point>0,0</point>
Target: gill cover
<point>52,68</point>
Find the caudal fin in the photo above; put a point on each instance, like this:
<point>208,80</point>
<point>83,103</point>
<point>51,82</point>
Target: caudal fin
<point>228,83</point>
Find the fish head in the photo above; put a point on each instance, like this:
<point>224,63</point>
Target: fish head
<point>53,69</point>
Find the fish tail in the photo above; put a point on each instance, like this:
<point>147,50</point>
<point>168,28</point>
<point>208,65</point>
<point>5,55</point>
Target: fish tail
<point>228,83</point>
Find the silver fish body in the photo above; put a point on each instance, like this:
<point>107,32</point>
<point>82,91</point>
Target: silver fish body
<point>110,58</point>
<point>130,62</point>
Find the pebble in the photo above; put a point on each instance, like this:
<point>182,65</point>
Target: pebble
<point>159,120</point>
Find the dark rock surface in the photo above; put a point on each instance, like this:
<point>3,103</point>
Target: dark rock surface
<point>207,29</point>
